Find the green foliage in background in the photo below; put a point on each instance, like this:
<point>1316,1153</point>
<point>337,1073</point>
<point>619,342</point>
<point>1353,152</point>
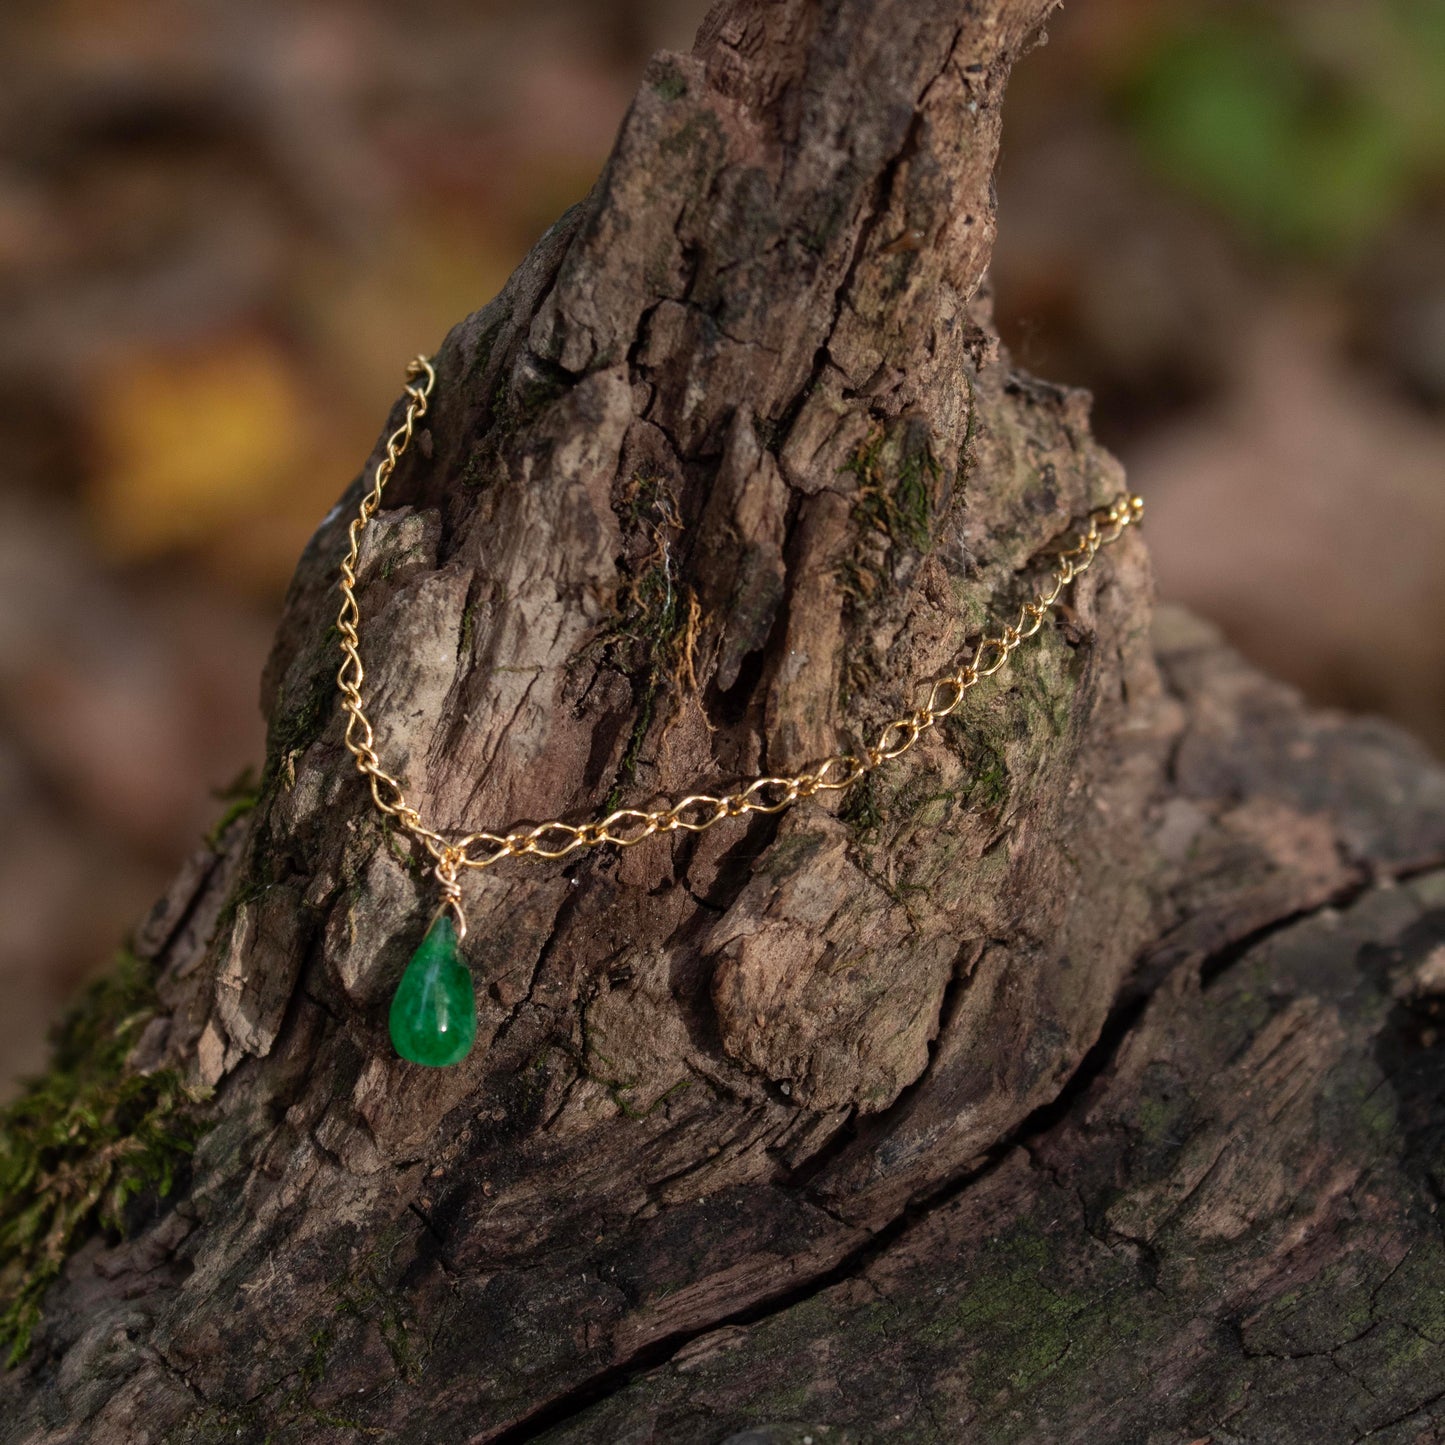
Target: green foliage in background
<point>85,1141</point>
<point>1311,129</point>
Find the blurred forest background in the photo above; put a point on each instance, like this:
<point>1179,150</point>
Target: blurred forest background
<point>226,224</point>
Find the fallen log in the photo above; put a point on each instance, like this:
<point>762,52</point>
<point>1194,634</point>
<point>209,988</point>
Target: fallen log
<point>1075,1076</point>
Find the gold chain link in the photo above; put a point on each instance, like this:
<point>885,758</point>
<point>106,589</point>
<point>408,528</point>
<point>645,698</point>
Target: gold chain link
<point>626,827</point>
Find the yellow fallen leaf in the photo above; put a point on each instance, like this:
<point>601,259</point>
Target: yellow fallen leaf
<point>189,442</point>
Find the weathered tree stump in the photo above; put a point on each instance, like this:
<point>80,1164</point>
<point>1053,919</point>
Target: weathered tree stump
<point>1077,1078</point>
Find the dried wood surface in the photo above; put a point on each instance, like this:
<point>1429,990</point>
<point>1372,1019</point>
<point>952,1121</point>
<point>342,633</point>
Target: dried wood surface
<point>1078,1079</point>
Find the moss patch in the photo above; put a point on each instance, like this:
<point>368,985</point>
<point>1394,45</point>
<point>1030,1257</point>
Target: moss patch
<point>85,1143</point>
<point>653,639</point>
<point>898,482</point>
<point>240,797</point>
<point>469,629</point>
<point>862,809</point>
<point>301,717</point>
<point>669,82</point>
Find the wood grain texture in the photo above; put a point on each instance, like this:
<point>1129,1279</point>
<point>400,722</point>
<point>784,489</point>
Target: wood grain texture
<point>1040,1089</point>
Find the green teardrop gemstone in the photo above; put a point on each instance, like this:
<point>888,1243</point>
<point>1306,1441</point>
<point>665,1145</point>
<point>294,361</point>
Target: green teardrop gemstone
<point>434,1011</point>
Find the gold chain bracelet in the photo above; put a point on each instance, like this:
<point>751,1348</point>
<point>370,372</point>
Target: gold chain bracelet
<point>433,1013</point>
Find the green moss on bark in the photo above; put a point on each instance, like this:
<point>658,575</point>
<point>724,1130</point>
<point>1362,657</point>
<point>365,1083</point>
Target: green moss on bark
<point>654,636</point>
<point>85,1142</point>
<point>240,798</point>
<point>899,485</point>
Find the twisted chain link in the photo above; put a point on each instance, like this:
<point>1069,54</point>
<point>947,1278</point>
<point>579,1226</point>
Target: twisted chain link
<point>626,827</point>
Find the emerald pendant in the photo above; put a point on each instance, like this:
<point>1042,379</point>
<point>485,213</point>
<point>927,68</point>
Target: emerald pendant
<point>434,1010</point>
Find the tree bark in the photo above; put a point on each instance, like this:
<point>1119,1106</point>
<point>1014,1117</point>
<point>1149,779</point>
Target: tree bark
<point>1076,1079</point>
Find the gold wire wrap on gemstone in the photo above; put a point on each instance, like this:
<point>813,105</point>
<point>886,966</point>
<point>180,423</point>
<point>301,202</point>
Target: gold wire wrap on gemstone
<point>626,827</point>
